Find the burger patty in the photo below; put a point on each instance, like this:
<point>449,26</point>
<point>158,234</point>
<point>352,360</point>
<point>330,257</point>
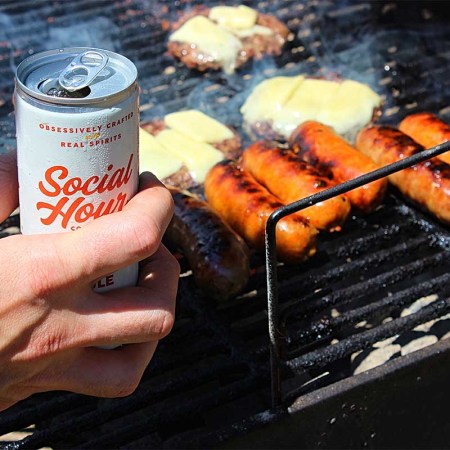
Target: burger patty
<point>255,46</point>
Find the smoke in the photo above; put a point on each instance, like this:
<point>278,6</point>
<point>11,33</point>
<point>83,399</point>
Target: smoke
<point>365,41</point>
<point>97,32</point>
<point>37,29</point>
<point>31,33</point>
<point>404,61</point>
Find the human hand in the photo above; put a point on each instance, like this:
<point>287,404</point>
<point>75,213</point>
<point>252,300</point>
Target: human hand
<point>9,187</point>
<point>51,320</point>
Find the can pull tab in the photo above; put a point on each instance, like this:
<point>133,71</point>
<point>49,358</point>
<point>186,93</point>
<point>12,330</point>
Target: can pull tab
<point>82,70</point>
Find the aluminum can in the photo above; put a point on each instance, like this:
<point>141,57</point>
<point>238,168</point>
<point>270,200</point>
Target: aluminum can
<point>77,127</point>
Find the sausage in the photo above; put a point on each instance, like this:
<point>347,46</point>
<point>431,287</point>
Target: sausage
<point>426,183</point>
<point>291,179</point>
<point>218,257</point>
<point>321,147</point>
<point>428,130</point>
<point>246,205</point>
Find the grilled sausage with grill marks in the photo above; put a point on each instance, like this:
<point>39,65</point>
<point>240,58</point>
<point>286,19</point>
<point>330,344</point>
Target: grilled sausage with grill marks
<point>291,179</point>
<point>320,146</point>
<point>218,257</point>
<point>428,130</point>
<point>246,205</point>
<point>427,183</point>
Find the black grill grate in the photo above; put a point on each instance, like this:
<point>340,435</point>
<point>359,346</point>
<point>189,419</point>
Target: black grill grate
<point>210,379</point>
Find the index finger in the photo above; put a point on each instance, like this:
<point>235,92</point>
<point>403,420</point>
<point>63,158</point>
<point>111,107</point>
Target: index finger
<point>121,238</point>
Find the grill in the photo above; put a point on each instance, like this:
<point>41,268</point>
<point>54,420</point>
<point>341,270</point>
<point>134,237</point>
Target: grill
<point>376,285</point>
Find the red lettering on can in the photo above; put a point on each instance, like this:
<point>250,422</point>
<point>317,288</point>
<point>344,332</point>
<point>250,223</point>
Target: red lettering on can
<point>72,192</point>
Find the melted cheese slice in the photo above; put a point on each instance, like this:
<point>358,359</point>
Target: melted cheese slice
<point>155,158</point>
<point>237,17</point>
<point>210,38</point>
<point>268,98</point>
<point>288,101</point>
<point>198,126</point>
<point>198,157</point>
<point>351,107</point>
<point>255,29</point>
<point>307,100</point>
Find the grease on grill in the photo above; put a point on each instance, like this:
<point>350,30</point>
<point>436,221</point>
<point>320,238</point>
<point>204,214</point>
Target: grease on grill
<point>399,345</point>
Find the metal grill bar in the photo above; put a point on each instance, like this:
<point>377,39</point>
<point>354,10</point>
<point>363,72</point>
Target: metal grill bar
<point>15,420</point>
<point>373,284</point>
<point>364,339</point>
<point>171,412</point>
<point>384,234</point>
<point>323,331</point>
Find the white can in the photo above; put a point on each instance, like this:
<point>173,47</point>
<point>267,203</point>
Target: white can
<point>77,127</point>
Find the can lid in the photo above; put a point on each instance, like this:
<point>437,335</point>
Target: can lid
<point>75,75</point>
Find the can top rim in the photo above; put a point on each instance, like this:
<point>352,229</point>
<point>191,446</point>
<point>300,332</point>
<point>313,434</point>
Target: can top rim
<point>34,69</point>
